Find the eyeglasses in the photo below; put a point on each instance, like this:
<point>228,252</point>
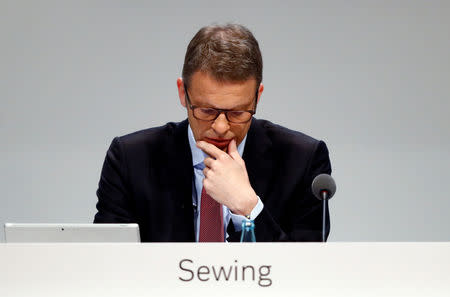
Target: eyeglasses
<point>211,114</point>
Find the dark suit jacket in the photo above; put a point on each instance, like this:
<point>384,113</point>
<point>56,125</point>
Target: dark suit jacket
<point>147,179</point>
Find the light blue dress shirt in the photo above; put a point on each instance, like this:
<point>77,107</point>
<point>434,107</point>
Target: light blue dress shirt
<point>197,161</point>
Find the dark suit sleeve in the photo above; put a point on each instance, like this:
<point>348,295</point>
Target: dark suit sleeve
<point>301,218</point>
<point>114,205</point>
<point>306,215</point>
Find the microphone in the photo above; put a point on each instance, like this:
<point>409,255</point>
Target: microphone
<point>323,187</point>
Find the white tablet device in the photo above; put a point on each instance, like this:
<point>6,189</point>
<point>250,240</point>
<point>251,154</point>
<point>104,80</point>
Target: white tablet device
<point>15,232</point>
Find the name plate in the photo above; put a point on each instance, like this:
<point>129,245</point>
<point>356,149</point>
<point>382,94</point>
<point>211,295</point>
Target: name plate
<point>218,269</point>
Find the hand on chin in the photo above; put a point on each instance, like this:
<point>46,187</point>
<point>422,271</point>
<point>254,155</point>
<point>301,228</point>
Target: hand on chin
<point>226,179</point>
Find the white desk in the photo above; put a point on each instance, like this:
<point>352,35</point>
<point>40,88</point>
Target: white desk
<point>155,269</point>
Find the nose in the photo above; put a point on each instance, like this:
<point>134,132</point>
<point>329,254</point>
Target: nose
<point>221,125</point>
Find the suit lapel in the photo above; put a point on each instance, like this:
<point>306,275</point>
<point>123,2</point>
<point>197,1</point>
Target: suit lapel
<point>258,158</point>
<point>183,171</point>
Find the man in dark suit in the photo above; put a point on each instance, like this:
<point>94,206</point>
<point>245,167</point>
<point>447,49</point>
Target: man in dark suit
<point>197,180</point>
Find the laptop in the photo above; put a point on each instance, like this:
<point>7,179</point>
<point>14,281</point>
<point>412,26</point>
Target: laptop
<point>18,232</point>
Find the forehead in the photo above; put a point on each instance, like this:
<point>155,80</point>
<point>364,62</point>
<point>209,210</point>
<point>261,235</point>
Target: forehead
<point>207,91</point>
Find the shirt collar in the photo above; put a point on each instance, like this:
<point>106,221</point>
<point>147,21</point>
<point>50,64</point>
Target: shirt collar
<point>198,155</point>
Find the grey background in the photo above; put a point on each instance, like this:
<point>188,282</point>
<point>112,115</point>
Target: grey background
<point>371,78</point>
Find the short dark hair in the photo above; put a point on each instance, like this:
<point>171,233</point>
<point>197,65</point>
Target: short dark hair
<point>226,52</point>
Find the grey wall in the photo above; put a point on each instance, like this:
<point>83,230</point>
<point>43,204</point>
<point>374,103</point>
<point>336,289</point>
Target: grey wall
<point>371,78</point>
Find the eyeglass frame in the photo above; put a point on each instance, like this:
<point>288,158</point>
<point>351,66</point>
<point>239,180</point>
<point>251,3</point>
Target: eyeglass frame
<point>220,110</point>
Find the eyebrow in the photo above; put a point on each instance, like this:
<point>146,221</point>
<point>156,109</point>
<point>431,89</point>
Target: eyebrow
<point>237,108</point>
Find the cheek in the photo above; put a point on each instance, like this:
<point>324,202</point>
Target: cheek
<point>239,131</point>
<point>198,128</point>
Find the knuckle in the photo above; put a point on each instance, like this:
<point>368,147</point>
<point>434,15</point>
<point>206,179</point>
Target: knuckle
<point>223,156</point>
<point>214,164</point>
<point>210,173</point>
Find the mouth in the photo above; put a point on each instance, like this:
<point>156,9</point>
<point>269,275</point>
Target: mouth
<point>219,143</point>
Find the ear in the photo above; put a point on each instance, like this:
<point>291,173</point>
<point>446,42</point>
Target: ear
<point>181,91</point>
<point>260,90</point>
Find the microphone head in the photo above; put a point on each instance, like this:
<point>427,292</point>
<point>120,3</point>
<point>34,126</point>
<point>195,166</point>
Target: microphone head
<point>323,182</point>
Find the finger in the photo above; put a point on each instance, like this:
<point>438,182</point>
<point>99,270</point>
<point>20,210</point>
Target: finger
<point>208,162</point>
<point>205,171</point>
<point>234,153</point>
<point>206,184</point>
<point>210,149</point>
<point>232,150</point>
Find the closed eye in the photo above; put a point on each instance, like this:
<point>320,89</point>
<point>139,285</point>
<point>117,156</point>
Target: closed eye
<point>208,111</point>
<point>236,113</point>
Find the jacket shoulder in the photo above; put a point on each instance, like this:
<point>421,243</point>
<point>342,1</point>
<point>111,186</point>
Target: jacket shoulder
<point>152,142</point>
<point>149,135</point>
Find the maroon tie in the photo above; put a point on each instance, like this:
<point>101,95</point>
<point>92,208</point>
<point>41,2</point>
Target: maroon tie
<point>211,220</point>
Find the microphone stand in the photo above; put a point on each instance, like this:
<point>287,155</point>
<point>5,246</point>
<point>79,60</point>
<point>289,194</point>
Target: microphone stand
<point>324,195</point>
